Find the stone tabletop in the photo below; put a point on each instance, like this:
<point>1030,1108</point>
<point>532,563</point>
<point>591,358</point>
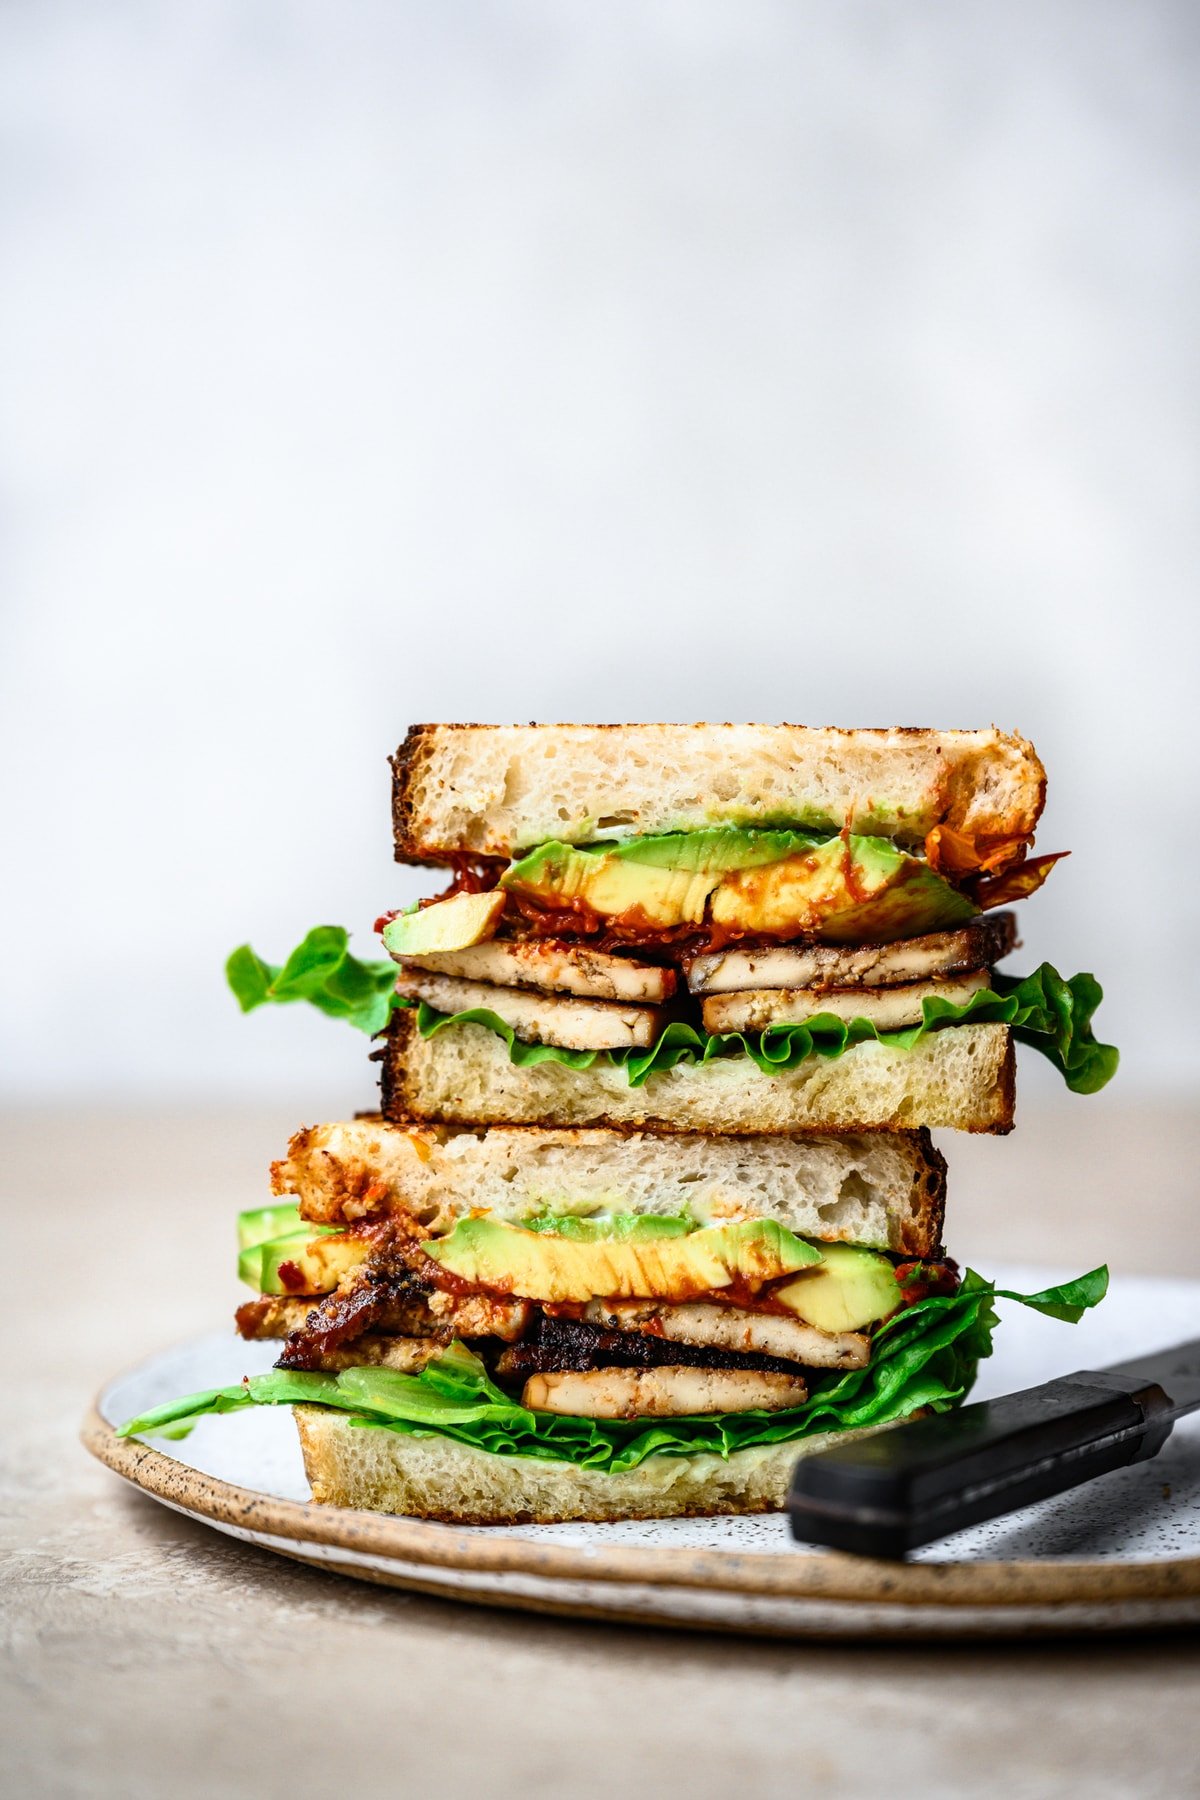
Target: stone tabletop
<point>148,1656</point>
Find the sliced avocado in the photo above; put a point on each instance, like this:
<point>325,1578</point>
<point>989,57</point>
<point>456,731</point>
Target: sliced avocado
<point>851,1289</point>
<point>620,1228</point>
<point>543,1267</point>
<point>557,875</point>
<point>664,881</point>
<point>453,924</point>
<point>847,890</point>
<point>263,1223</point>
<point>723,847</point>
<point>301,1263</point>
<point>250,1258</point>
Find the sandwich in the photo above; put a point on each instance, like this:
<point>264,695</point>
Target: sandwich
<point>649,1207</point>
<point>524,1324</point>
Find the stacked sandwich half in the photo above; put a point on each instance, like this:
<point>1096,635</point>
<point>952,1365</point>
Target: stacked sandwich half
<point>651,1207</point>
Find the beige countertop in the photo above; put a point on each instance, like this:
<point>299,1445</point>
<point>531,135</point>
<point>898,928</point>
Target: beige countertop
<point>148,1656</point>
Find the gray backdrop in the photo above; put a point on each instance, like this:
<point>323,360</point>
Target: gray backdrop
<point>375,362</point>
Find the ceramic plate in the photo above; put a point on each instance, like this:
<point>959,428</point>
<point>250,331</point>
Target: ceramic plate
<point>1120,1554</point>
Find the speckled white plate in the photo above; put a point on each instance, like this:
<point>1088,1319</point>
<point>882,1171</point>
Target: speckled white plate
<point>1121,1554</point>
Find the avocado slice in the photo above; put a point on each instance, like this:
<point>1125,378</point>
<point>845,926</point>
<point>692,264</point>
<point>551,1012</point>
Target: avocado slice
<point>663,880</point>
<point>845,889</point>
<point>718,850</point>
<point>848,890</point>
<point>301,1263</point>
<point>539,1266</point>
<point>616,1228</point>
<point>262,1223</point>
<point>453,924</point>
<point>558,875</point>
<point>851,1289</point>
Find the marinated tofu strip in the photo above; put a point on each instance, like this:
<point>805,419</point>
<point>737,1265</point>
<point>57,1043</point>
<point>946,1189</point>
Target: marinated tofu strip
<point>275,1315</point>
<point>479,1315</point>
<point>556,1344</point>
<point>541,1018</point>
<point>408,1355</point>
<point>974,946</point>
<point>661,1393</point>
<point>550,966</point>
<point>732,1328</point>
<point>889,1009</point>
<point>434,1314</point>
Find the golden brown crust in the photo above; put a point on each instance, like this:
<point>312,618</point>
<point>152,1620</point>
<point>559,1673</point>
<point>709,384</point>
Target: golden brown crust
<point>934,1187</point>
<point>352,1189</point>
<point>1006,1109</point>
<point>405,766</point>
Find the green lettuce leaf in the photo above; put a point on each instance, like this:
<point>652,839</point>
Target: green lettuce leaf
<point>927,1356</point>
<point>1068,1302</point>
<point>1052,1014</point>
<point>322,971</point>
<point>1043,1009</point>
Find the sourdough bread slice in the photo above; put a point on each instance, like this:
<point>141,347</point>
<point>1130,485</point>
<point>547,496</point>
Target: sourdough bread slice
<point>433,1477</point>
<point>495,790</point>
<point>883,1189</point>
<point>961,1077</point>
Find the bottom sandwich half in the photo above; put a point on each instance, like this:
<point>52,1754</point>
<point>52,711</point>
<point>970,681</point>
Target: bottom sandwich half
<point>497,1326</point>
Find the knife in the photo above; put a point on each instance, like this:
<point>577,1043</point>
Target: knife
<point>889,1494</point>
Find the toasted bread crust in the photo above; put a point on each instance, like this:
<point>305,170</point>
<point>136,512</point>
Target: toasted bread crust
<point>492,790</point>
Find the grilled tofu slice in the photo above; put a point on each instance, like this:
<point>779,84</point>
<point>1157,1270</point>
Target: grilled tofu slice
<point>478,1315</point>
<point>541,1018</point>
<point>974,946</point>
<point>733,1328</point>
<point>890,1009</point>
<point>552,967</point>
<point>437,1315</point>
<point>661,1393</point>
<point>408,1355</point>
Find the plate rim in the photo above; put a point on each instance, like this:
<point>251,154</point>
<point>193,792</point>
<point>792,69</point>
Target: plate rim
<point>830,1576</point>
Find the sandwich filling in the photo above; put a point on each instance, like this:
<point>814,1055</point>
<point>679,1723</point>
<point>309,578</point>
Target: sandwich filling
<point>600,1297</point>
<point>776,944</point>
<point>604,1338</point>
<point>687,942</point>
<point>698,890</point>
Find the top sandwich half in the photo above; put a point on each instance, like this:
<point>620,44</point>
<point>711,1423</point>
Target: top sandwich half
<point>738,928</point>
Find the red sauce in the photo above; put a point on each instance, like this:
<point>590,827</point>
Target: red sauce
<point>292,1277</point>
<point>633,931</point>
<point>469,875</point>
<point>918,1280</point>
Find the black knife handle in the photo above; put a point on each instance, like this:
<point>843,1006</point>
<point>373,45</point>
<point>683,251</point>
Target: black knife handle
<point>891,1493</point>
